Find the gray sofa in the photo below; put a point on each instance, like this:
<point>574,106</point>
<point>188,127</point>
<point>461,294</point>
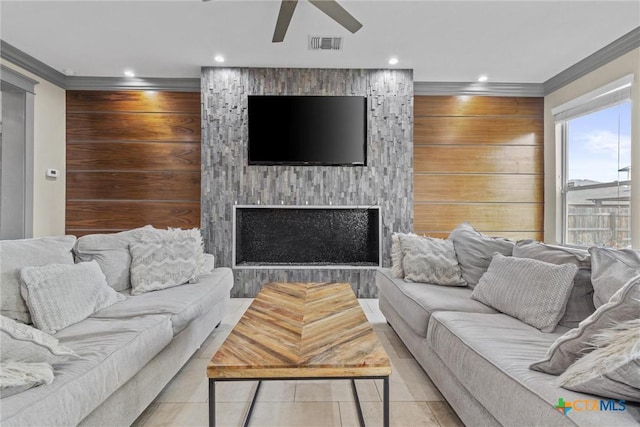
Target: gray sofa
<point>479,359</point>
<point>128,351</point>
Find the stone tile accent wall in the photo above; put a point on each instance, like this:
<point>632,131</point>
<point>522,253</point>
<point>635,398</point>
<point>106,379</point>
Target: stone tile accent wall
<point>387,180</point>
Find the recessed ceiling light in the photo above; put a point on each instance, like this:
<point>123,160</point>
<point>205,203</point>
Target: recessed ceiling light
<point>129,73</point>
<point>219,58</point>
<point>483,78</point>
<point>68,72</point>
<point>393,61</point>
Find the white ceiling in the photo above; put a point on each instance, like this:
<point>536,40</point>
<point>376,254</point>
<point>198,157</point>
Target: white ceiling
<point>443,41</point>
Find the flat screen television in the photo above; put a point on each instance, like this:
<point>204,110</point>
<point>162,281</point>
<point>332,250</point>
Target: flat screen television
<point>307,130</point>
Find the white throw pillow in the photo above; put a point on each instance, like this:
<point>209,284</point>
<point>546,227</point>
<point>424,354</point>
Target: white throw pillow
<point>16,254</point>
<point>209,264</point>
<point>533,291</point>
<point>60,295</point>
<point>24,343</point>
<point>162,265</point>
<point>396,254</point>
<point>429,260</point>
<point>16,377</point>
<point>611,370</point>
<point>171,235</point>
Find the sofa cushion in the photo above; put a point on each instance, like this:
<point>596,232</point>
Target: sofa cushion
<point>161,265</point>
<point>475,251</point>
<point>59,295</point>
<point>611,270</point>
<point>112,351</point>
<point>396,253</point>
<point>16,377</point>
<point>173,235</point>
<point>429,260</point>
<point>182,304</point>
<point>417,301</point>
<point>111,251</point>
<point>580,303</point>
<point>490,356</point>
<point>24,343</point>
<point>533,291</point>
<point>611,370</point>
<point>16,254</point>
<point>623,306</point>
<point>208,264</point>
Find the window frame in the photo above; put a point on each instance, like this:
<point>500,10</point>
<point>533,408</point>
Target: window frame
<point>564,188</point>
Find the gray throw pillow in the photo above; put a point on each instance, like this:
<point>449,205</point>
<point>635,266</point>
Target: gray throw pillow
<point>16,254</point>
<point>580,304</point>
<point>111,251</point>
<point>612,370</point>
<point>533,291</point>
<point>161,265</point>
<point>622,307</point>
<point>429,260</point>
<point>475,250</point>
<point>24,343</point>
<point>60,295</point>
<point>611,270</point>
<point>16,377</point>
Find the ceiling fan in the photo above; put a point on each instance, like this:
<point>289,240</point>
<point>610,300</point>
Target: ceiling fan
<point>329,7</point>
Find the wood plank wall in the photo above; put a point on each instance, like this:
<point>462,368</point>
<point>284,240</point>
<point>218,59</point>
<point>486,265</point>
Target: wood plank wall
<point>133,158</point>
<point>479,159</point>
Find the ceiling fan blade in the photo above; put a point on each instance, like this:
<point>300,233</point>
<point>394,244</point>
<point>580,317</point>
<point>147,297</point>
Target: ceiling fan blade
<point>284,18</point>
<point>338,13</point>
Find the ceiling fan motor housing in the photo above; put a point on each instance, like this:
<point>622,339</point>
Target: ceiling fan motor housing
<point>325,43</point>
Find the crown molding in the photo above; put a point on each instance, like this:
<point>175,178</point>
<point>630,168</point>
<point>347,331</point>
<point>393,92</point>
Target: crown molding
<point>40,69</point>
<point>478,89</point>
<point>31,64</point>
<point>613,50</point>
<point>142,83</point>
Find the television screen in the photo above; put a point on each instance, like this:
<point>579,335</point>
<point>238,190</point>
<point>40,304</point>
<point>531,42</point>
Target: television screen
<point>308,130</point>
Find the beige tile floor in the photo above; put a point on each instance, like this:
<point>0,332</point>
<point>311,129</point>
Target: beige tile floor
<point>415,401</point>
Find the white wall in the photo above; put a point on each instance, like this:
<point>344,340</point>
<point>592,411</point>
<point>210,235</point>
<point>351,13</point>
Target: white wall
<point>49,152</point>
<point>626,64</point>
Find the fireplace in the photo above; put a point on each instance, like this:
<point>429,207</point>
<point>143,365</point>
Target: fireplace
<point>306,237</point>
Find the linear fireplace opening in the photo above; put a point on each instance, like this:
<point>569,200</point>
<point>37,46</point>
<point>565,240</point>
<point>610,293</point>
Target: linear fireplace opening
<point>306,237</point>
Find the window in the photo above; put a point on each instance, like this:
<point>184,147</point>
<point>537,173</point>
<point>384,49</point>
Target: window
<point>596,143</point>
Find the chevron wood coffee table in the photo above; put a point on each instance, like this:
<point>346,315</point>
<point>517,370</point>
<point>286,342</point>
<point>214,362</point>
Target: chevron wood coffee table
<point>301,331</point>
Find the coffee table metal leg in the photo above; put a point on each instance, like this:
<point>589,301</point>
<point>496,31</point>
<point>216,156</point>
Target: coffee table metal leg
<point>212,403</point>
<point>385,408</point>
<point>253,402</point>
<point>357,401</point>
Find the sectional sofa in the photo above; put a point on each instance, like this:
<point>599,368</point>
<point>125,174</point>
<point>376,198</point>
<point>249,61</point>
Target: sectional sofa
<point>481,359</point>
<point>123,354</point>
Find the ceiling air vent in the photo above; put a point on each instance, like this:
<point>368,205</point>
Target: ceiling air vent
<point>325,43</point>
